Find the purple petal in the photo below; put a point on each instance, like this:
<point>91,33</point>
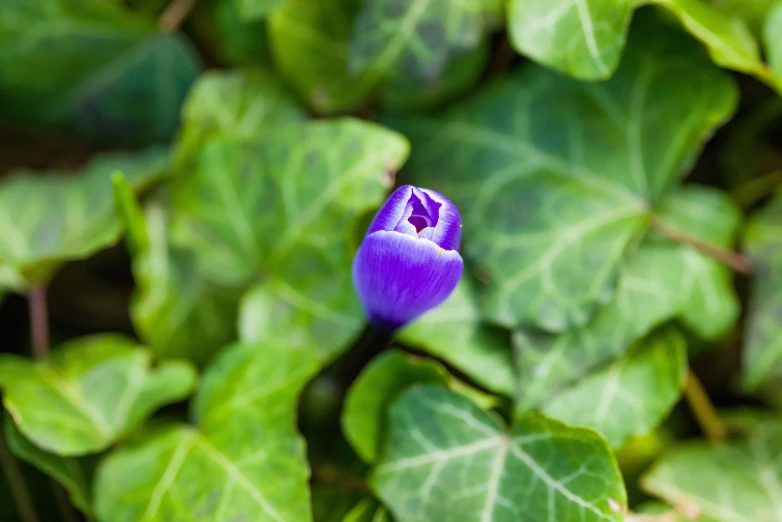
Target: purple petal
<point>448,229</point>
<point>392,211</point>
<point>398,277</point>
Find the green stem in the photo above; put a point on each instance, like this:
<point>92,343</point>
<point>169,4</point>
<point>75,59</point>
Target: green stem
<point>704,411</point>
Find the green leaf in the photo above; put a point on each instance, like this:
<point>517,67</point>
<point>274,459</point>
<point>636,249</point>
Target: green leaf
<point>453,332</point>
<point>632,395</point>
<point>174,309</point>
<point>250,10</point>
<point>585,38</point>
<point>445,459</point>
<point>85,67</point>
<point>416,38</point>
<point>48,219</point>
<point>734,482</point>
<point>771,28</point>
<point>367,511</point>
<point>390,374</point>
<point>763,352</point>
<point>557,180</point>
<point>338,54</point>
<point>243,459</point>
<point>285,203</point>
<point>75,474</point>
<point>233,40</point>
<point>243,103</point>
<point>88,392</point>
<point>660,282</point>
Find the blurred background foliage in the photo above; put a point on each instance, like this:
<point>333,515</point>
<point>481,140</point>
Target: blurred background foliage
<point>183,184</point>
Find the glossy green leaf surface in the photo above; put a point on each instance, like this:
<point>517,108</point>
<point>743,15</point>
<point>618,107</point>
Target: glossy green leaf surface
<point>660,282</point>
<point>54,217</point>
<point>245,194</point>
<point>601,156</point>
<point>630,396</point>
<point>389,375</point>
<point>454,333</point>
<point>244,103</point>
<point>586,38</point>
<point>174,308</point>
<point>83,67</point>
<point>242,458</point>
<point>89,392</point>
<point>408,53</point>
<point>735,482</point>
<point>445,459</point>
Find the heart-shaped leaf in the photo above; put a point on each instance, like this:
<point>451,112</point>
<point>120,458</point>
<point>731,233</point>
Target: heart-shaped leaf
<point>660,282</point>
<point>447,460</point>
<point>242,460</point>
<point>557,180</point>
<point>88,392</point>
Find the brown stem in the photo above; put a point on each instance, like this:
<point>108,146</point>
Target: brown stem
<point>328,475</point>
<point>735,260</point>
<point>67,511</point>
<point>701,406</point>
<point>17,484</point>
<point>39,320</point>
<point>174,15</point>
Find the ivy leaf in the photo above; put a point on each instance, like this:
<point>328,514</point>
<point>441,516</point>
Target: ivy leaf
<point>556,179</point>
<point>174,309</point>
<point>274,205</point>
<point>367,511</point>
<point>243,459</point>
<point>234,40</point>
<point>241,103</point>
<point>733,482</point>
<point>445,459</point>
<point>389,374</point>
<point>88,392</point>
<point>660,282</point>
<point>585,38</point>
<point>84,67</point>
<point>251,10</point>
<point>771,28</point>
<point>52,218</point>
<point>632,395</point>
<point>453,332</point>
<point>75,474</point>
<point>417,37</point>
<point>337,58</point>
<point>763,352</point>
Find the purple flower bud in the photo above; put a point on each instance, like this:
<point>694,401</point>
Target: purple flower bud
<point>408,262</point>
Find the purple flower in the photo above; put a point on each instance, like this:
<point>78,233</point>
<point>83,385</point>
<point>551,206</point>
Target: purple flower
<point>408,262</point>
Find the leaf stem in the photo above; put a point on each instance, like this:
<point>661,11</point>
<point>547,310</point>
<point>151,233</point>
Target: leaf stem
<point>326,474</point>
<point>704,410</point>
<point>735,260</point>
<point>39,320</point>
<point>173,16</point>
<point>17,484</point>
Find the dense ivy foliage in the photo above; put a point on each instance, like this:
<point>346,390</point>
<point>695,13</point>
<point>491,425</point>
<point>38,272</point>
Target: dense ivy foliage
<point>184,184</point>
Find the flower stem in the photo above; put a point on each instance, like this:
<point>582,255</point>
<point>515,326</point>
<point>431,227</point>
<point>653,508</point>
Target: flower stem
<point>17,484</point>
<point>370,343</point>
<point>704,410</point>
<point>735,260</point>
<point>39,320</point>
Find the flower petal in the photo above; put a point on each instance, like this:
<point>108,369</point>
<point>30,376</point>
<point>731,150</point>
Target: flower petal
<point>390,214</point>
<point>398,277</point>
<point>448,231</point>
